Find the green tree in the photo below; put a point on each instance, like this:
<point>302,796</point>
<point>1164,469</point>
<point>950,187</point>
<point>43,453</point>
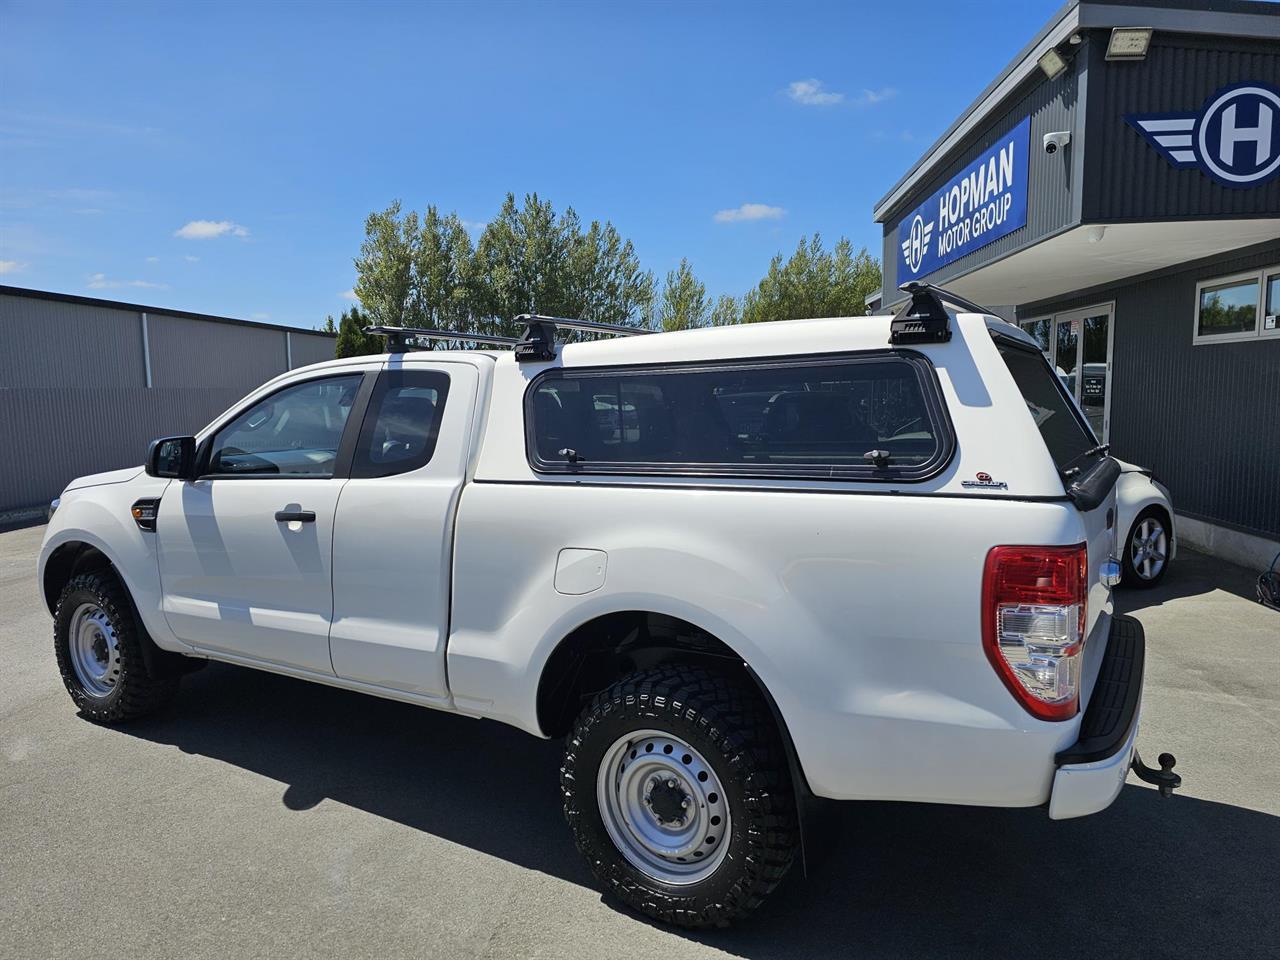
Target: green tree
<point>328,326</point>
<point>814,283</point>
<point>385,284</point>
<point>684,300</point>
<point>528,260</point>
<point>443,293</point>
<point>352,340</point>
<point>726,312</point>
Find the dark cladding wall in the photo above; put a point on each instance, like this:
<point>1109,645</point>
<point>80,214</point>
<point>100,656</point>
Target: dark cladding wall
<point>1051,106</point>
<point>1126,178</point>
<point>1203,416</point>
<point>73,394</point>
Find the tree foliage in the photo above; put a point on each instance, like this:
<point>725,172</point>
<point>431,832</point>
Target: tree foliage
<point>684,301</point>
<point>352,340</point>
<point>814,283</point>
<point>426,271</point>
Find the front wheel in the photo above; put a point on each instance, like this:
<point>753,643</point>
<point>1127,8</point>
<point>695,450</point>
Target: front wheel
<point>1146,554</point>
<point>98,644</point>
<point>678,794</point>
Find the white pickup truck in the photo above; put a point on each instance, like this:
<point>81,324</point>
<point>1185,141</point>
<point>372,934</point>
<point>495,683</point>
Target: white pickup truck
<point>734,568</point>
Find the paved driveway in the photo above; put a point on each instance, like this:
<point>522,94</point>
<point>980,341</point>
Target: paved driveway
<point>267,817</point>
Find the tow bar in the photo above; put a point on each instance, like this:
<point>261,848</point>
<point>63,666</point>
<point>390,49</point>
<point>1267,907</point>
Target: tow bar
<point>1165,779</point>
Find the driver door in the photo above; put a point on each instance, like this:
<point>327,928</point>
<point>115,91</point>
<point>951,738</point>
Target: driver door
<point>245,550</point>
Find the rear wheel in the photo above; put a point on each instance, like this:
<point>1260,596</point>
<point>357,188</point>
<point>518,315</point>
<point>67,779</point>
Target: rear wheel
<point>678,794</point>
<point>98,644</point>
<point>1146,555</point>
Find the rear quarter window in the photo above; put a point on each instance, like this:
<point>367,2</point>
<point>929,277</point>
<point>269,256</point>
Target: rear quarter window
<point>1055,414</point>
<point>817,417</point>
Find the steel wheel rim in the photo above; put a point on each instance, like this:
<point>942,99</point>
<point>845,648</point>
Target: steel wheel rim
<point>1148,548</point>
<point>94,650</point>
<point>663,807</point>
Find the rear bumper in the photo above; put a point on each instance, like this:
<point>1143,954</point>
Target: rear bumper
<point>1091,771</point>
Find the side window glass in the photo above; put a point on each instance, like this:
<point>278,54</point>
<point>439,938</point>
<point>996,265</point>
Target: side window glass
<point>295,432</point>
<point>402,423</point>
<point>811,419</point>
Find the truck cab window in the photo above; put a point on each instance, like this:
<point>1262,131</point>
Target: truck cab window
<point>402,423</point>
<point>294,432</point>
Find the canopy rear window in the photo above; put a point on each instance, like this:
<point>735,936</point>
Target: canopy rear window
<point>867,417</point>
<point>1061,424</point>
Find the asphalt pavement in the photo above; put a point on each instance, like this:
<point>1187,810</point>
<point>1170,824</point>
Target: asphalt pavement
<point>267,817</point>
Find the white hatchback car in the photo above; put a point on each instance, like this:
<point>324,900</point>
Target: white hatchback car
<point>1144,517</point>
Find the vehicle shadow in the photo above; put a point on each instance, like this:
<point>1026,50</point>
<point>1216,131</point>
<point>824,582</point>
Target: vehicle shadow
<point>1192,574</point>
<point>1148,877</point>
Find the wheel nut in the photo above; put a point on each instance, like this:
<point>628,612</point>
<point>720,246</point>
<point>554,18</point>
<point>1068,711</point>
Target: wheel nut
<point>671,784</point>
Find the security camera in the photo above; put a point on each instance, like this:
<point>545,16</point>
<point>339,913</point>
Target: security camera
<point>1053,142</point>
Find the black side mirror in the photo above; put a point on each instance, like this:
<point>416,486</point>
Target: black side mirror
<point>172,457</point>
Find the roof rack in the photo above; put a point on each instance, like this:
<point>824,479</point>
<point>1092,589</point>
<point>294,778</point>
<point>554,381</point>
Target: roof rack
<point>537,344</point>
<point>398,338</point>
<point>925,319</point>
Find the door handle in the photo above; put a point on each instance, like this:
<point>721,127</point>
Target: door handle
<point>301,516</point>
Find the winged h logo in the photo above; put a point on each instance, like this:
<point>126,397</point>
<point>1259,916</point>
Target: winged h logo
<point>1234,137</point>
<point>917,243</point>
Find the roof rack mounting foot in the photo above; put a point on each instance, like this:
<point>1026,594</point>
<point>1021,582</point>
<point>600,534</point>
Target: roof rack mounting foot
<point>539,341</point>
<point>924,320</point>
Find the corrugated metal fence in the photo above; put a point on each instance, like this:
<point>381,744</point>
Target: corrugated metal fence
<point>86,384</point>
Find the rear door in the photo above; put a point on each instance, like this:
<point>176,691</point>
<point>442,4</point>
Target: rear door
<point>393,536</point>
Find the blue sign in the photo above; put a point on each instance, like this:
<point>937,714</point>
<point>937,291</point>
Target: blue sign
<point>1234,137</point>
<point>982,203</point>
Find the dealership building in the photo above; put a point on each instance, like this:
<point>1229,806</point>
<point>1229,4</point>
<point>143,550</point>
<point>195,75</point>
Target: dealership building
<point>1116,192</point>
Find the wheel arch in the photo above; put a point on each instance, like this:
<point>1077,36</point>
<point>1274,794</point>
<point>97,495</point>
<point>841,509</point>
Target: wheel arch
<point>68,560</point>
<point>606,646</point>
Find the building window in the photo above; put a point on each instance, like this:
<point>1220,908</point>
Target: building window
<point>1240,307</point>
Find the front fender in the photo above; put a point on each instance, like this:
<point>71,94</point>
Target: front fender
<point>1136,492</point>
<point>99,516</point>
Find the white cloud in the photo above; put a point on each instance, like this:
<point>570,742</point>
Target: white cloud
<point>474,226</point>
<point>191,259</point>
<point>153,259</point>
<point>749,211</point>
<point>11,266</point>
<point>100,281</point>
<point>869,98</point>
<point>811,93</point>
<point>349,295</point>
<point>208,229</point>
<point>259,316</point>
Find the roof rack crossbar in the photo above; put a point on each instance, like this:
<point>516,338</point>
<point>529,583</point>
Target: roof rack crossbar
<point>591,326</point>
<point>537,344</point>
<point>398,337</point>
<point>946,296</point>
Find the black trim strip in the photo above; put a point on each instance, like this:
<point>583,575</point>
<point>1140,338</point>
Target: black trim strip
<point>624,483</point>
<point>930,392</point>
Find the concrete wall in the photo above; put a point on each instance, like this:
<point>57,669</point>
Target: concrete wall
<point>74,397</point>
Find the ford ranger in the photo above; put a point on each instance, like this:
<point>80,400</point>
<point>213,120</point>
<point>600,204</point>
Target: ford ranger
<point>861,559</point>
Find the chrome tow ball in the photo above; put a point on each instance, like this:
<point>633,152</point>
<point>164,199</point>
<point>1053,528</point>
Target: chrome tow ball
<point>1165,779</point>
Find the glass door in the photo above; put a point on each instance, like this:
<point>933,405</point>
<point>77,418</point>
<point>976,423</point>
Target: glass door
<point>1082,358</point>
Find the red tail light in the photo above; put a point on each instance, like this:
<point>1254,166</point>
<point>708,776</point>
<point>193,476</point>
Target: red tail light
<point>1033,620</point>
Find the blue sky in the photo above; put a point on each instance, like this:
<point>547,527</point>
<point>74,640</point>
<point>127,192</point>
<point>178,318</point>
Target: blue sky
<point>221,157</point>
